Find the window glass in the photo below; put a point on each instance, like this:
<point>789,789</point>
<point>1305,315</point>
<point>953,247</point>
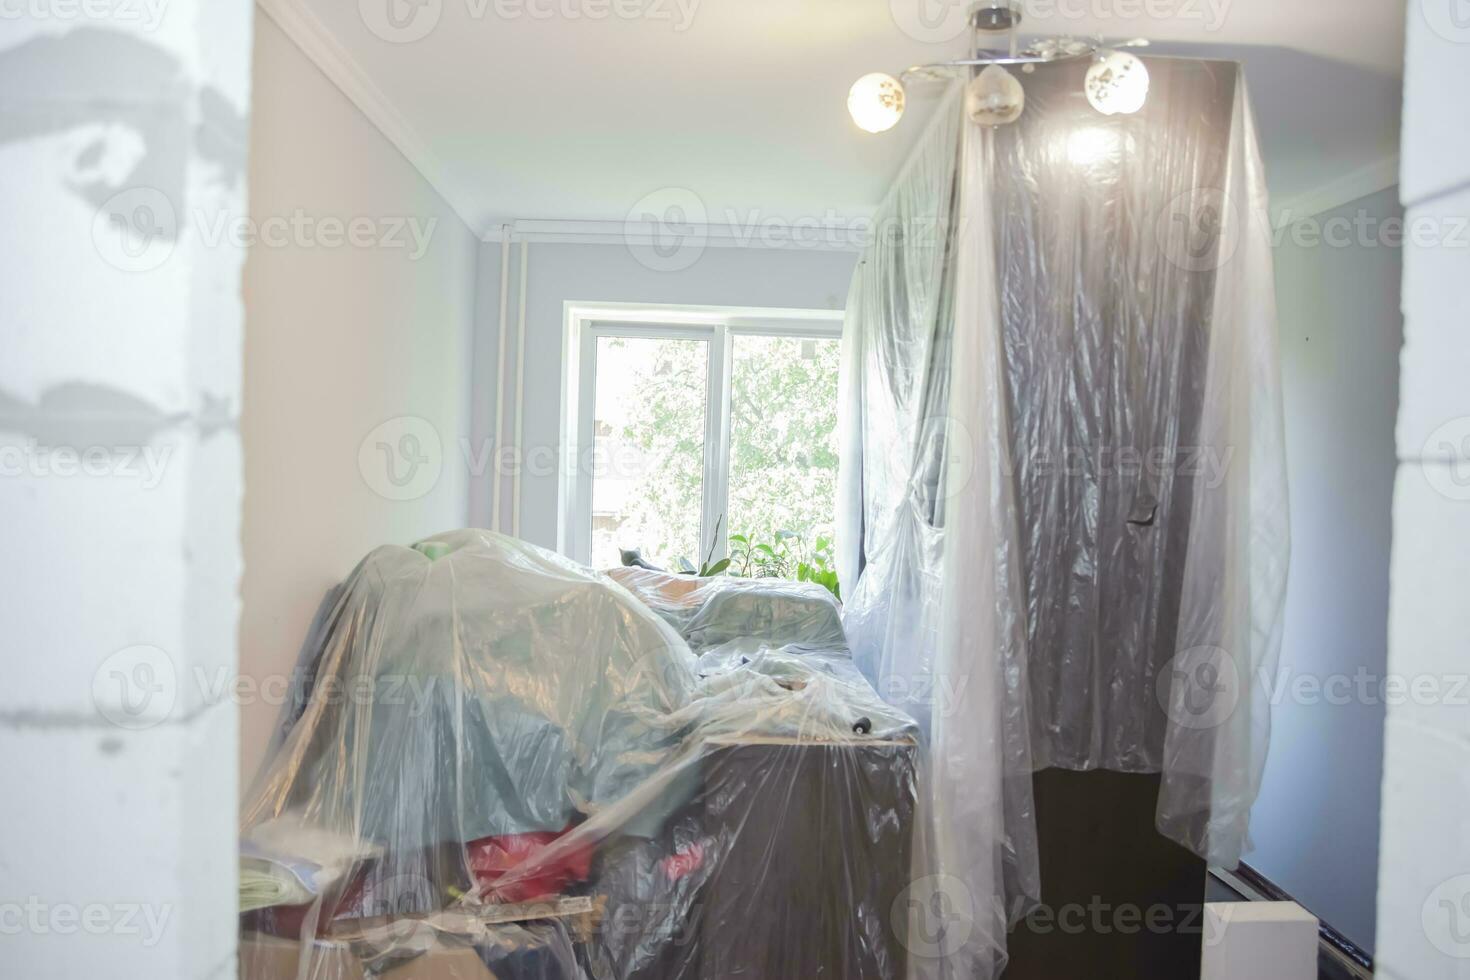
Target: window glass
<point>648,465</point>
<point>783,441</point>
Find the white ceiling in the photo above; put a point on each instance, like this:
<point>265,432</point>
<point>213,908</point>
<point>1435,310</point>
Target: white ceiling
<point>515,116</point>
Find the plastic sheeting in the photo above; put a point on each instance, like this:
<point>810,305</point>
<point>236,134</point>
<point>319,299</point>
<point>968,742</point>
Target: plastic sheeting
<point>503,764</point>
<point>1062,458</point>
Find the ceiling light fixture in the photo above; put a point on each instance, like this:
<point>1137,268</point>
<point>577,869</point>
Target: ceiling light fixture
<point>1117,82</point>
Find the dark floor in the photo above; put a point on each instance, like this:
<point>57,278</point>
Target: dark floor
<point>1328,966</point>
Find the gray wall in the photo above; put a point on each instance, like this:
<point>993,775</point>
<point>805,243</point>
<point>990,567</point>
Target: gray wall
<point>1315,826</point>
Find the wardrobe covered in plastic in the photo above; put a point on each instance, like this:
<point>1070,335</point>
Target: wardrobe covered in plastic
<point>1062,501</point>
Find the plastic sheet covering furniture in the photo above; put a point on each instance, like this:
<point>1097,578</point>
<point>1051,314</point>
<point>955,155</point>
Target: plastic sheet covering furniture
<point>1062,501</point>
<point>504,764</point>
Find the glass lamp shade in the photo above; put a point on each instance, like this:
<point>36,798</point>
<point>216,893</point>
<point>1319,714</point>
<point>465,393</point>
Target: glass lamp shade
<point>875,102</point>
<point>994,97</point>
<point>1116,82</point>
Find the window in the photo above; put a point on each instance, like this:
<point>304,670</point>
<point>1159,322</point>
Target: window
<point>689,425</point>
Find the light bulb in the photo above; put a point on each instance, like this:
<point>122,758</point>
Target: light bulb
<point>1090,146</point>
<point>1116,82</point>
<point>994,97</point>
<point>875,102</point>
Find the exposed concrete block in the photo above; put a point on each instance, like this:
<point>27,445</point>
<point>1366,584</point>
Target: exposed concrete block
<point>224,35</point>
<point>130,147</point>
<point>1424,858</point>
<point>1436,122</point>
<point>136,836</point>
<point>121,335</point>
<point>141,547</point>
<point>1434,390</point>
<point>1429,618</point>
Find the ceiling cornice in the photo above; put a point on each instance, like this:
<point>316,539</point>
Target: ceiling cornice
<point>820,238</point>
<point>323,50</point>
<point>1365,180</point>
<point>309,34</point>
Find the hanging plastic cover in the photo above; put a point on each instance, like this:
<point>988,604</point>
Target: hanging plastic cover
<point>908,471</point>
<point>506,765</point>
<point>1234,589</point>
<point>1062,460</point>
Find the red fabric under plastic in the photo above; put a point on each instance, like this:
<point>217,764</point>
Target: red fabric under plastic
<point>491,857</point>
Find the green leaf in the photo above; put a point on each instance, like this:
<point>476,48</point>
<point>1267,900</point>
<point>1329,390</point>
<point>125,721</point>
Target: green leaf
<point>716,568</point>
<point>828,580</point>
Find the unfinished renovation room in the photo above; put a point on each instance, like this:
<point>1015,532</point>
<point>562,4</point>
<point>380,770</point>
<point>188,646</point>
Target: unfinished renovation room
<point>735,489</point>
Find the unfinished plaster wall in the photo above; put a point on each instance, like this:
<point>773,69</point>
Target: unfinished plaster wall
<point>122,148</point>
<point>1424,847</point>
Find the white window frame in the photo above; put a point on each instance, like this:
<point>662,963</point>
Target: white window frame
<point>719,325</point>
